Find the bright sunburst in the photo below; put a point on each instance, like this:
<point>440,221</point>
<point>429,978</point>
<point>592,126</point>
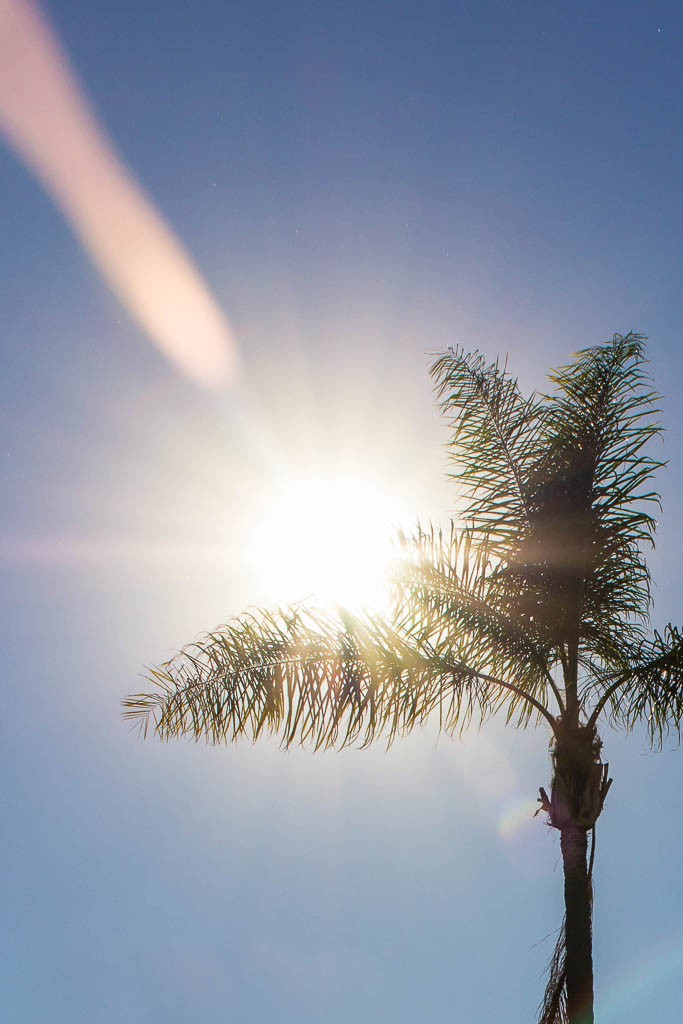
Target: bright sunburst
<point>328,537</point>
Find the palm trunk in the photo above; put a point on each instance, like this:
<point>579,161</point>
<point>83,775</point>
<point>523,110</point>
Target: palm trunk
<point>579,940</point>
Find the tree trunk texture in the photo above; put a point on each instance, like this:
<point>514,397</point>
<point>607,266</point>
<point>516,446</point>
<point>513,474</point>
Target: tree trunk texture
<point>579,945</point>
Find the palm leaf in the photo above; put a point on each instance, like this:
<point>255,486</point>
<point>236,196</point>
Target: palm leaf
<point>597,427</point>
<point>311,677</point>
<point>579,561</point>
<point>650,689</point>
<point>446,593</point>
<point>494,435</point>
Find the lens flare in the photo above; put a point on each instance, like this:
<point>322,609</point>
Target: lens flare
<point>656,968</point>
<point>47,119</point>
<point>517,813</point>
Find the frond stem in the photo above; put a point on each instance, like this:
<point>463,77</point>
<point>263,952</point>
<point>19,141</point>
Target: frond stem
<point>555,689</point>
<point>593,720</point>
<point>542,710</point>
<point>514,468</point>
<point>464,669</point>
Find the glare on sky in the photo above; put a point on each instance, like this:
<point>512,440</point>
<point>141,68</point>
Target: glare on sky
<point>326,536</point>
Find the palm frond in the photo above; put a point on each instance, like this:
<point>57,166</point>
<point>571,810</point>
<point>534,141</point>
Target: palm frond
<point>446,595</point>
<point>598,427</point>
<point>605,652</point>
<point>494,433</point>
<point>440,572</point>
<point>580,560</point>
<point>605,407</point>
<point>311,677</point>
<point>650,690</point>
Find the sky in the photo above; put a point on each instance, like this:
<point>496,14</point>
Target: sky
<point>357,186</point>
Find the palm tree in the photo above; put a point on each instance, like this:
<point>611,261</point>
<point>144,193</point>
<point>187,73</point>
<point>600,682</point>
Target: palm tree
<point>538,607</point>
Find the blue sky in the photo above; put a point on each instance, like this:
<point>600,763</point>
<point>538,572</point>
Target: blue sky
<point>359,185</point>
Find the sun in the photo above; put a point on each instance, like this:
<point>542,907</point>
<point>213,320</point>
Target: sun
<point>329,538</point>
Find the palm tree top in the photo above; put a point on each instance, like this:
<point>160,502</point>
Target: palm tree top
<point>538,604</point>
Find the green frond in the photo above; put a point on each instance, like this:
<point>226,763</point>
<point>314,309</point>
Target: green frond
<point>605,651</point>
<point>438,569</point>
<point>598,426</point>
<point>651,689</point>
<point>446,596</point>
<point>494,435</point>
<point>311,677</point>
<point>579,562</point>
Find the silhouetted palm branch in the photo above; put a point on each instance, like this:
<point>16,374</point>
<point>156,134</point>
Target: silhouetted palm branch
<point>649,688</point>
<point>576,568</point>
<point>447,594</point>
<point>597,427</point>
<point>312,677</point>
<point>495,433</point>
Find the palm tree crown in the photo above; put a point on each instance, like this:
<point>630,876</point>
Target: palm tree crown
<point>537,606</point>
